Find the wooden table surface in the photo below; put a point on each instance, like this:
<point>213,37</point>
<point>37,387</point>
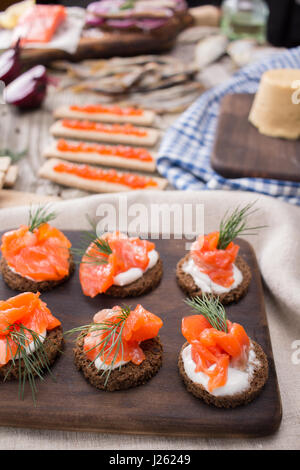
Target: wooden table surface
<point>30,130</point>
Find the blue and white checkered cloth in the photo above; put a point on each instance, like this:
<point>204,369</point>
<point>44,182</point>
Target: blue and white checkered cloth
<point>184,156</point>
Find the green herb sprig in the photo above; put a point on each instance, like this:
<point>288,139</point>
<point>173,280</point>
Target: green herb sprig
<point>110,343</point>
<point>101,249</point>
<point>235,224</point>
<point>31,365</point>
<point>39,216</point>
<point>211,308</point>
<point>15,156</point>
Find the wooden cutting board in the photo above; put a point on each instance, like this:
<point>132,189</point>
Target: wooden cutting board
<point>241,151</point>
<point>110,44</point>
<point>163,406</point>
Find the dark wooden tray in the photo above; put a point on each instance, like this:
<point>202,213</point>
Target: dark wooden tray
<point>163,406</point>
<point>241,151</point>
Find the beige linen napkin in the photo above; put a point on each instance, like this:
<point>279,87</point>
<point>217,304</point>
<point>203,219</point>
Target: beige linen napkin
<point>277,249</point>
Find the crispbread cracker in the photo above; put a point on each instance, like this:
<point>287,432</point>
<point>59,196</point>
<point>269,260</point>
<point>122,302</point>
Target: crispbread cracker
<point>58,130</point>
<point>47,171</point>
<point>98,159</point>
<point>146,119</point>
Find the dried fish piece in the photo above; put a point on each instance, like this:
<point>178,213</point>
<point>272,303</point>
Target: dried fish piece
<point>196,33</point>
<point>245,51</point>
<point>209,50</point>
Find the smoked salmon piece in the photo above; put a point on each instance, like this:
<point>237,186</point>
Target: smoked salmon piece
<point>213,350</point>
<point>216,263</point>
<point>25,309</point>
<point>138,326</point>
<point>41,255</point>
<point>96,278</point>
<point>40,22</point>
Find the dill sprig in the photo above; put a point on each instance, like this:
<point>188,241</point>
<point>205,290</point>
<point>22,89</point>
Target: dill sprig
<point>235,224</point>
<point>110,339</point>
<point>30,364</point>
<point>100,247</point>
<point>39,216</point>
<point>15,156</point>
<point>211,308</point>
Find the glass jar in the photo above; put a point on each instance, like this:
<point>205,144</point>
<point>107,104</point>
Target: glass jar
<point>245,19</point>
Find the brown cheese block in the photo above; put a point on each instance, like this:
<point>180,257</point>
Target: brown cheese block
<point>146,119</point>
<point>130,375</point>
<point>22,284</point>
<point>58,130</point>
<point>53,345</point>
<point>147,283</point>
<point>98,159</point>
<point>258,381</point>
<point>96,186</point>
<point>273,111</point>
<point>187,283</point>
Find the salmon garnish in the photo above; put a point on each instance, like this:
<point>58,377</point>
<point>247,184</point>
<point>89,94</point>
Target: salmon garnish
<point>216,263</point>
<point>132,327</point>
<point>25,309</point>
<point>216,343</point>
<point>97,270</point>
<point>42,254</point>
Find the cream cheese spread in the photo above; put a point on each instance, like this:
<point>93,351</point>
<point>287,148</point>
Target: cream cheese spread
<point>132,274</point>
<point>204,282</point>
<point>237,380</point>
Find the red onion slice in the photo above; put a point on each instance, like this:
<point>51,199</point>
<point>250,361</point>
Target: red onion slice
<point>28,91</point>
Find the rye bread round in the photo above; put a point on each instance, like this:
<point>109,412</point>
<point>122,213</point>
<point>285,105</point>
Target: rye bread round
<point>22,284</point>
<point>148,282</point>
<point>189,287</point>
<point>258,381</point>
<point>130,375</point>
<point>53,345</point>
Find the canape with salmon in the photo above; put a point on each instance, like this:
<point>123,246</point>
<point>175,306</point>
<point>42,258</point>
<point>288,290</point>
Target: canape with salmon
<point>36,257</point>
<point>30,339</point>
<point>120,266</point>
<point>121,349</point>
<point>219,363</point>
<point>213,265</point>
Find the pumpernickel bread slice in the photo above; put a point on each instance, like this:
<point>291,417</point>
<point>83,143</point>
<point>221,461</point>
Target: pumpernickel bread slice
<point>130,375</point>
<point>53,345</point>
<point>258,381</point>
<point>188,285</point>
<point>23,284</point>
<point>148,282</point>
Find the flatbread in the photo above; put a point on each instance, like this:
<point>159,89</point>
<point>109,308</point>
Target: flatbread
<point>144,120</point>
<point>58,130</point>
<point>5,163</point>
<point>11,176</point>
<point>75,181</point>
<point>98,159</point>
<point>2,178</point>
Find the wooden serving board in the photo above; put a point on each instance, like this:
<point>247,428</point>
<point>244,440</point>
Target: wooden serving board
<point>241,151</point>
<point>162,406</point>
<point>110,44</point>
